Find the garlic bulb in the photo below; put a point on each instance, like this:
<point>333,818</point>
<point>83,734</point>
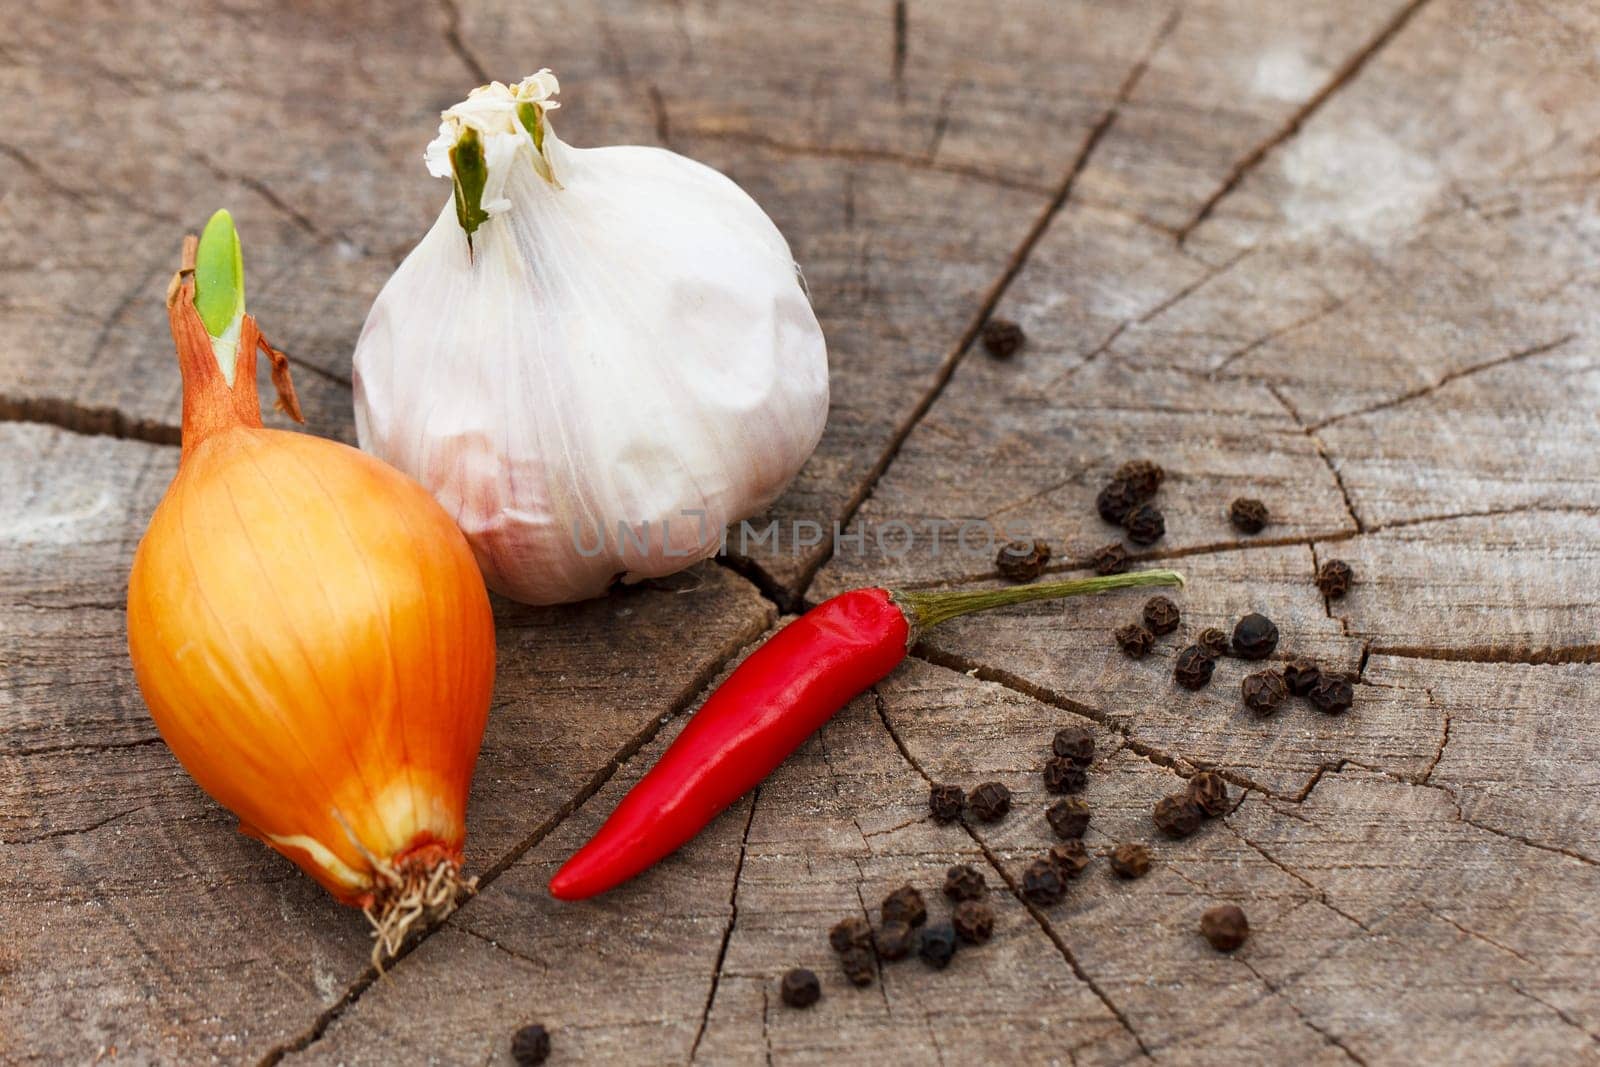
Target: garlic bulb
<point>595,360</point>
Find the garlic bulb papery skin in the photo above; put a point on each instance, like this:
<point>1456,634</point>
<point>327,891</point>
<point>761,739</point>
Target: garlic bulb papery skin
<point>615,363</point>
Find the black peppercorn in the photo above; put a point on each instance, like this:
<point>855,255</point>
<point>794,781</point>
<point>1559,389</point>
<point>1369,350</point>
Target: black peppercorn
<point>859,965</point>
<point>973,921</point>
<point>1145,524</point>
<point>1142,476</point>
<point>906,905</point>
<point>1115,500</point>
<point>1064,776</point>
<point>1110,559</point>
<point>964,882</point>
<point>1263,691</point>
<point>1247,515</point>
<point>1225,927</point>
<point>1022,561</point>
<point>1334,578</point>
<point>1042,883</point>
<point>1070,858</point>
<point>1300,676</point>
<point>1130,860</point>
<point>800,988</point>
<point>896,940</point>
<point>1002,338</point>
<point>989,801</point>
<point>946,802</point>
<point>1194,667</point>
<point>938,945</point>
<point>1333,693</point>
<point>1254,637</point>
<point>1134,640</point>
<point>1069,818</point>
<point>850,933</point>
<point>1075,743</point>
<point>1214,641</point>
<point>530,1045</point>
<point>1209,792</point>
<point>1177,815</point>
<point>1160,615</point>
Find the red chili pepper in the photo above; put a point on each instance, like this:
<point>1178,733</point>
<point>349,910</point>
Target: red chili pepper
<point>776,699</point>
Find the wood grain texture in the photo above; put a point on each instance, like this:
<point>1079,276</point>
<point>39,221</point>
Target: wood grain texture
<point>1337,256</point>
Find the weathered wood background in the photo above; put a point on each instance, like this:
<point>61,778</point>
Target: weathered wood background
<point>1342,255</point>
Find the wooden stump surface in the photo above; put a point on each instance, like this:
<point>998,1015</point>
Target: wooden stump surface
<point>1340,256</point>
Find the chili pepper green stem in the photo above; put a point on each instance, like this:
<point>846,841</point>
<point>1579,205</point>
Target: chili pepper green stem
<point>927,610</point>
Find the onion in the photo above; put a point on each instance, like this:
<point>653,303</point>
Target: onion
<point>309,629</point>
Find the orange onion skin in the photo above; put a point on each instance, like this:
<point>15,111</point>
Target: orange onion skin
<point>312,636</point>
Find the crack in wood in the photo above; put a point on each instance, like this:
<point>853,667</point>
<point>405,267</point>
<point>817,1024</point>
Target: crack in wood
<point>458,44</point>
<point>766,1033</point>
<point>495,943</point>
<point>1321,893</point>
<point>1327,601</point>
<point>1450,794</point>
<point>79,197</point>
<point>1485,938</point>
<point>833,783</point>
<point>1532,657</point>
<point>727,931</point>
<point>769,587</point>
<point>1346,73</point>
<point>71,831</point>
<point>1327,1035</point>
<point>897,61</point>
<point>87,419</point>
<point>1521,839</point>
<point>1444,735</point>
<point>1013,505</point>
<point>1195,286</point>
<point>999,868</point>
<point>865,154</point>
<point>893,829</point>
<point>1489,513</point>
<point>108,746</point>
<point>616,56</point>
<point>941,120</point>
<point>1182,766</point>
<point>1322,453</point>
<point>265,192</point>
<point>1267,338</point>
<point>1093,354</point>
<point>933,1037</point>
<point>321,372</point>
<point>1562,1015</point>
<point>658,110</point>
<point>866,913</point>
<point>991,299</point>
<point>1453,376</point>
<point>102,336</point>
<point>29,604</point>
